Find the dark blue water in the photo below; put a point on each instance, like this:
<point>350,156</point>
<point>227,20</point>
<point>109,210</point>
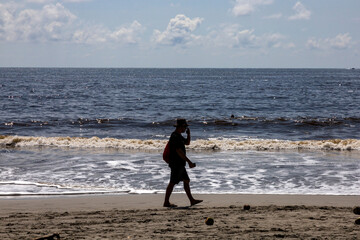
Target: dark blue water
<point>293,104</point>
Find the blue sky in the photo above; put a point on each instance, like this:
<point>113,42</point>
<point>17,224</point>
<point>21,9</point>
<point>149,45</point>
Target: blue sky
<point>183,33</point>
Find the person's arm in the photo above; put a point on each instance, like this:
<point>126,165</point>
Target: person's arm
<point>188,139</point>
<point>181,153</point>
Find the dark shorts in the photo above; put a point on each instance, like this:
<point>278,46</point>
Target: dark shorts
<point>178,174</point>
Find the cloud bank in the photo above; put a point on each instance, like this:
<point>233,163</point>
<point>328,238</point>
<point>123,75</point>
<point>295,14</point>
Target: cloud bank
<point>340,41</point>
<point>233,36</point>
<point>53,22</point>
<point>47,24</point>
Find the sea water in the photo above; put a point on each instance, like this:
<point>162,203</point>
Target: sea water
<point>94,131</point>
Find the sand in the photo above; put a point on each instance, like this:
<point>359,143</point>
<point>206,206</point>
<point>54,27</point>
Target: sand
<point>143,217</point>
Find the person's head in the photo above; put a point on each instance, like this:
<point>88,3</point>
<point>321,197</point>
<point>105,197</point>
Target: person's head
<point>181,125</point>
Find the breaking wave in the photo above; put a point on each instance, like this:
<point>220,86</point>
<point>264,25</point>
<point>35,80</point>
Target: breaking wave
<point>220,144</point>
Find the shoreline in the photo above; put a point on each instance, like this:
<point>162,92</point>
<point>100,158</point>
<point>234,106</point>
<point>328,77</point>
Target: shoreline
<point>155,201</point>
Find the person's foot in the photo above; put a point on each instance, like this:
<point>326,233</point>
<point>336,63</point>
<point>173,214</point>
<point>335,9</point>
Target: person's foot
<point>169,205</point>
<point>194,202</point>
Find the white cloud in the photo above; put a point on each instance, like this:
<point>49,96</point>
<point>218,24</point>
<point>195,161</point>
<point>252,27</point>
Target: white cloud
<point>39,1</point>
<point>48,23</point>
<point>245,7</point>
<point>90,35</point>
<point>53,22</point>
<point>178,32</point>
<point>301,12</point>
<point>76,1</point>
<point>273,40</point>
<point>51,1</point>
<point>127,34</point>
<point>340,41</point>
<point>274,16</point>
<point>232,36</point>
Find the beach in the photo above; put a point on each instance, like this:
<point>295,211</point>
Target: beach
<point>141,216</point>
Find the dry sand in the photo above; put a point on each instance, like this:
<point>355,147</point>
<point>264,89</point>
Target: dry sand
<point>142,217</point>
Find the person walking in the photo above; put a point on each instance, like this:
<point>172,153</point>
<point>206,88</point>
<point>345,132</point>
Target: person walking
<point>177,162</point>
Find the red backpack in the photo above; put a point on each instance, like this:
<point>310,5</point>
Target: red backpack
<point>166,153</point>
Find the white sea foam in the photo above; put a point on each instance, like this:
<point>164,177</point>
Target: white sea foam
<point>200,144</point>
<point>53,172</point>
<point>26,188</point>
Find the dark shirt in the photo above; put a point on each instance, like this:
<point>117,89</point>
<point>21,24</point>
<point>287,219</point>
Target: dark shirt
<point>176,141</point>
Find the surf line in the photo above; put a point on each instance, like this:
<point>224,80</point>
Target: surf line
<point>221,144</point>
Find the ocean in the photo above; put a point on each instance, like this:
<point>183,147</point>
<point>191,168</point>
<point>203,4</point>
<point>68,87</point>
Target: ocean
<point>69,131</point>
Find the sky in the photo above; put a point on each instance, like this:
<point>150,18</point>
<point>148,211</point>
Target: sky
<point>180,33</point>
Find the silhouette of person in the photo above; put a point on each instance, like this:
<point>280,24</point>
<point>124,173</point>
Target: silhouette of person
<point>177,163</point>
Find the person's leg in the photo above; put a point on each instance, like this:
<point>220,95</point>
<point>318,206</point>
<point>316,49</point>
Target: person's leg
<point>193,201</point>
<point>174,179</point>
<point>169,190</point>
<point>187,190</point>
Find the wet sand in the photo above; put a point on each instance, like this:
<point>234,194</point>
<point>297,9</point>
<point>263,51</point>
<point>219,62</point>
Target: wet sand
<point>143,217</point>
